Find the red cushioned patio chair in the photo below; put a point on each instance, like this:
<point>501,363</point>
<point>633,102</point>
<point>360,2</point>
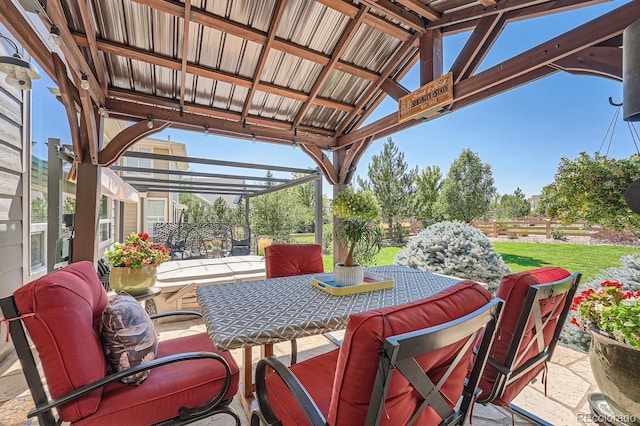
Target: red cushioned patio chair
<point>536,306</point>
<point>400,365</point>
<point>62,311</point>
<point>286,260</point>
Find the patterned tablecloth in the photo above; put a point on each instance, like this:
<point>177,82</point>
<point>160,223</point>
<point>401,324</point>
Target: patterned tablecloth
<point>253,313</point>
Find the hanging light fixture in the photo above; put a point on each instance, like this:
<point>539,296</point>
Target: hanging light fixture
<point>19,72</point>
<point>150,122</point>
<point>54,35</point>
<point>84,82</point>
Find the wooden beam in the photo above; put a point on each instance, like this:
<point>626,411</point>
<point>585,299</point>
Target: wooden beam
<point>477,46</point>
<point>391,67</point>
<point>202,71</point>
<point>337,51</point>
<point>374,21</point>
<point>430,56</point>
<point>152,101</point>
<point>398,13</point>
<point>89,138</point>
<point>85,226</point>
<point>421,9</point>
<point>596,61</point>
<point>351,159</point>
<point>394,89</point>
<point>197,122</point>
<point>18,26</point>
<point>67,90</point>
<point>185,48</point>
<point>125,139</point>
<point>72,52</point>
<point>580,38</point>
<point>376,100</point>
<point>90,31</point>
<point>217,23</point>
<point>323,162</point>
<point>278,11</point>
<point>466,19</point>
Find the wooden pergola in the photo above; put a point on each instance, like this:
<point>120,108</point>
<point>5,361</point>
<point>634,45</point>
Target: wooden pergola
<point>303,72</point>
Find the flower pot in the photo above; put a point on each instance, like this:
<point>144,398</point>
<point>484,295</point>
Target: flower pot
<point>345,276</point>
<point>615,369</point>
<point>132,281</point>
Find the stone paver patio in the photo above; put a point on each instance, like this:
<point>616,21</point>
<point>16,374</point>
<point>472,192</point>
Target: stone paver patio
<point>569,382</point>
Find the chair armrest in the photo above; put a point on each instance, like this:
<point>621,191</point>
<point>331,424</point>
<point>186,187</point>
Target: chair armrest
<point>298,391</point>
<point>83,390</point>
<point>174,313</point>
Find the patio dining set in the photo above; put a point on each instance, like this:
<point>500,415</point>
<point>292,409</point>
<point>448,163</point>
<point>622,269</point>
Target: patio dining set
<point>422,352</point>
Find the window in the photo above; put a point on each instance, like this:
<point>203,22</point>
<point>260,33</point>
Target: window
<point>105,225</point>
<point>156,213</point>
<point>146,163</point>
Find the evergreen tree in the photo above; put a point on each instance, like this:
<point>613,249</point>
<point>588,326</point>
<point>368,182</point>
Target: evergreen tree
<point>514,206</point>
<point>428,184</point>
<point>467,190</point>
<point>392,182</point>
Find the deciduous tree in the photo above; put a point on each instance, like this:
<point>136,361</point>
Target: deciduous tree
<point>592,189</point>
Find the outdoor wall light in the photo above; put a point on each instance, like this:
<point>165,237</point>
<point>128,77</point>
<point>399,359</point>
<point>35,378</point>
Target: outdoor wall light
<point>150,122</point>
<point>19,72</point>
<point>54,35</point>
<point>84,83</point>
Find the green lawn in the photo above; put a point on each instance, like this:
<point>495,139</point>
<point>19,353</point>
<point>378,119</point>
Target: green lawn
<point>522,256</point>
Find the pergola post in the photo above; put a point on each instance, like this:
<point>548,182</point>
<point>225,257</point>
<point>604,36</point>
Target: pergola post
<point>319,208</point>
<point>85,243</point>
<point>54,201</point>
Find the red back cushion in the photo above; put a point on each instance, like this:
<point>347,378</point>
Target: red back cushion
<point>285,260</point>
<point>68,306</point>
<point>358,360</point>
<point>513,290</point>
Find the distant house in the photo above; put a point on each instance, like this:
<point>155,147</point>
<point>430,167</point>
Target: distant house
<point>154,206</point>
<point>534,200</point>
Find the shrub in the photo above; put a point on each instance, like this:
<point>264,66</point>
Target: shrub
<point>457,249</point>
<point>399,233</point>
<point>628,275</point>
<point>557,234</point>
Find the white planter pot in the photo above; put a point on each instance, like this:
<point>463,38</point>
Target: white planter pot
<point>345,276</point>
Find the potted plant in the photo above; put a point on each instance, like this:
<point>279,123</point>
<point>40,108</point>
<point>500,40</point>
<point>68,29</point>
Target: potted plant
<point>133,264</point>
<point>356,213</point>
<point>612,315</point>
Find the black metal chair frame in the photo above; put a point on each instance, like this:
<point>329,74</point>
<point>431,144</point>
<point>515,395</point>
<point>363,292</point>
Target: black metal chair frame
<point>399,353</point>
<point>531,308</point>
<point>44,406</point>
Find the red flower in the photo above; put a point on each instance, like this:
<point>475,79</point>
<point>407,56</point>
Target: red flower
<point>611,284</point>
<point>574,321</point>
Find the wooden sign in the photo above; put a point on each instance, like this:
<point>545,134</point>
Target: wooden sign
<point>432,95</point>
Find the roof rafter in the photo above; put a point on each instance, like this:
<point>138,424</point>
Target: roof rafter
<point>266,48</point>
<point>201,71</point>
<point>338,49</point>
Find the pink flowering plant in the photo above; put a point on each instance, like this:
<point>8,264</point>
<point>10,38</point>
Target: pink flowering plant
<point>610,309</point>
<point>136,252</point>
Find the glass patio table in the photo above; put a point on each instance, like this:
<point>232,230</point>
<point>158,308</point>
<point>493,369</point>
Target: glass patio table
<point>264,312</point>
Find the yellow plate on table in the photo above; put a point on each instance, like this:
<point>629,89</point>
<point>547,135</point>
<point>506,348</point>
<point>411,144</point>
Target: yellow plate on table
<point>372,282</point>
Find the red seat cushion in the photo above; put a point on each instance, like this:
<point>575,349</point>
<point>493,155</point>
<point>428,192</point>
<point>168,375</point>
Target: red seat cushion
<point>285,260</point>
<point>356,362</point>
<point>71,299</point>
<point>316,374</point>
<point>513,290</point>
<point>182,384</point>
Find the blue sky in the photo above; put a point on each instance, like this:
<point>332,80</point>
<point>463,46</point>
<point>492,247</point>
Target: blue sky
<point>522,133</point>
